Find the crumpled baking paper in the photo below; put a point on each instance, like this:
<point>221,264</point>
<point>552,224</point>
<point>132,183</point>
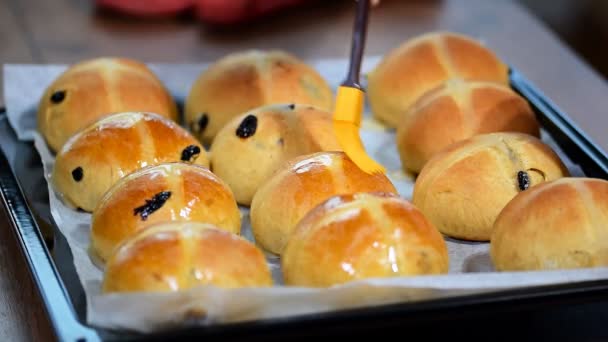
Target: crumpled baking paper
<point>470,270</point>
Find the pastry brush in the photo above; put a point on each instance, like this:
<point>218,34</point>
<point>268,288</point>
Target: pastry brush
<point>350,99</point>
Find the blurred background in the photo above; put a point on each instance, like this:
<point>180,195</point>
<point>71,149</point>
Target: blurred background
<point>44,30</point>
<point>581,24</point>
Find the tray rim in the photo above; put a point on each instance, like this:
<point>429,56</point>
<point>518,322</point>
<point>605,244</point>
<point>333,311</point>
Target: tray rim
<point>67,326</point>
<point>41,266</point>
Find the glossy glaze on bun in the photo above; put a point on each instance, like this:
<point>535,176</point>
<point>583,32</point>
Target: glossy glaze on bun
<point>300,185</point>
<point>165,192</point>
<point>113,147</point>
<point>94,88</point>
<point>181,255</point>
<point>360,236</point>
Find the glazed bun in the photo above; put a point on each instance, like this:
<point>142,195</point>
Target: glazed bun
<point>458,110</point>
<point>245,80</point>
<point>463,188</point>
<point>555,225</point>
<point>94,88</point>
<point>423,63</point>
<point>96,157</point>
<point>301,184</point>
<point>359,236</point>
<point>252,146</point>
<point>161,193</point>
<point>181,255</point>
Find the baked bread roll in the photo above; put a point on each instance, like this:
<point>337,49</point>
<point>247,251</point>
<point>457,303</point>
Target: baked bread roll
<point>359,236</point>
<point>301,184</point>
<point>463,188</point>
<point>252,146</point>
<point>245,80</point>
<point>458,110</point>
<point>161,193</point>
<point>93,88</point>
<point>92,160</point>
<point>178,256</point>
<point>423,63</point>
<point>555,225</point>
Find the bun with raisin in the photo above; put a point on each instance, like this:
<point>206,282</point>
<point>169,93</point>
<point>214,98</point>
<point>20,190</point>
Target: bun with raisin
<point>94,88</point>
<point>164,192</point>
<point>98,156</point>
<point>463,188</point>
<point>245,80</point>
<point>252,146</point>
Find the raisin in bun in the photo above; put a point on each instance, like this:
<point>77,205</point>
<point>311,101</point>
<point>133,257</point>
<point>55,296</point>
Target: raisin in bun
<point>555,225</point>
<point>301,184</point>
<point>93,88</point>
<point>92,160</point>
<point>359,236</point>
<point>164,192</point>
<point>245,80</point>
<point>178,256</point>
<point>424,62</point>
<point>463,188</point>
<point>252,146</point>
<point>458,110</point>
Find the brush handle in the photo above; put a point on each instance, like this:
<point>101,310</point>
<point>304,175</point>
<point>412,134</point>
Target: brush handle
<point>358,44</point>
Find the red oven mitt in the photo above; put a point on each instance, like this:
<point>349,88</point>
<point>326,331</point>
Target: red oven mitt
<point>213,11</point>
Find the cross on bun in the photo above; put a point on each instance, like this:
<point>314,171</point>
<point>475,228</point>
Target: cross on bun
<point>252,146</point>
<point>96,157</point>
<point>421,64</point>
<point>458,110</point>
<point>178,256</point>
<point>555,225</point>
<point>242,81</point>
<point>463,188</point>
<point>175,191</point>
<point>359,236</point>
<point>301,184</point>
<point>94,88</point>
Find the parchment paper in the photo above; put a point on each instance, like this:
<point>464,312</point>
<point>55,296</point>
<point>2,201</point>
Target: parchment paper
<point>470,271</point>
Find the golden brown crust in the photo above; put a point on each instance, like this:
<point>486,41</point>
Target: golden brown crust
<point>282,132</point>
<point>556,225</point>
<point>421,64</point>
<point>463,188</point>
<point>95,88</point>
<point>457,110</point>
<point>240,82</point>
<point>113,147</point>
<point>470,59</point>
<point>191,193</point>
<point>301,184</point>
<point>359,236</point>
<point>182,255</point>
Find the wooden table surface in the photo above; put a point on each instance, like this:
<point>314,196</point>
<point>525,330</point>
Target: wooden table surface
<point>66,31</point>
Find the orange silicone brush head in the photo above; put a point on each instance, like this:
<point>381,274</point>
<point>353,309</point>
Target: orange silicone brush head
<point>349,104</point>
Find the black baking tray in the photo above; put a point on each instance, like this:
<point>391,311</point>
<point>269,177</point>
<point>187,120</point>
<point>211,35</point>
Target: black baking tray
<point>50,262</point>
